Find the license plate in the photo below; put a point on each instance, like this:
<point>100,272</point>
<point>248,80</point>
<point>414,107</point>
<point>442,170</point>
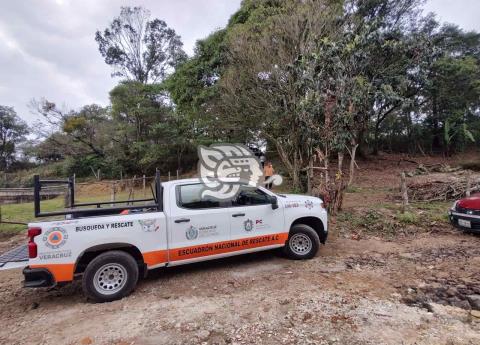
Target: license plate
<point>464,223</point>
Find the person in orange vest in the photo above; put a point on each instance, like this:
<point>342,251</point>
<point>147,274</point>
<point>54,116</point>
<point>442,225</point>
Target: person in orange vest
<point>268,172</point>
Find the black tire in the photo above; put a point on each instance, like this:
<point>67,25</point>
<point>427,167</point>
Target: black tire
<point>110,276</point>
<point>302,244</point>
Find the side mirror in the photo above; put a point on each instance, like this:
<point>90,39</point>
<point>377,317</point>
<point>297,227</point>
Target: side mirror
<point>274,202</point>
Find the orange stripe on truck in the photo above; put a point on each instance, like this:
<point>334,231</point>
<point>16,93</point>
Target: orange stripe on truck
<point>155,257</point>
<point>61,272</point>
<point>226,246</point>
<point>64,272</point>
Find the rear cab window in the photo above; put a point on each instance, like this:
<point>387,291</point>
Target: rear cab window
<point>189,196</point>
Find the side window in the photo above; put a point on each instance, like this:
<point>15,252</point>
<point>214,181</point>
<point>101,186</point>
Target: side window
<point>190,196</point>
<point>249,196</point>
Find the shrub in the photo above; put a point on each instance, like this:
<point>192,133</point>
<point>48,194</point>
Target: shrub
<point>407,218</point>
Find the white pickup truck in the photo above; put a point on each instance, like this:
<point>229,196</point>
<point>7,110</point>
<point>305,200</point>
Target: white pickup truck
<point>110,248</point>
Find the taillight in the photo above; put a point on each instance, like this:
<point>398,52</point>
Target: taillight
<point>32,246</point>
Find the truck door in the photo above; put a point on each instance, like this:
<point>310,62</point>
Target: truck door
<point>252,217</point>
<point>199,226</point>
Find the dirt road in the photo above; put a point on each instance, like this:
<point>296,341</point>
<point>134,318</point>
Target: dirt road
<point>355,292</point>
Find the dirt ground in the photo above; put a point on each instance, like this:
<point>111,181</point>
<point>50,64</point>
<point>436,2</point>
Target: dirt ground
<point>410,289</point>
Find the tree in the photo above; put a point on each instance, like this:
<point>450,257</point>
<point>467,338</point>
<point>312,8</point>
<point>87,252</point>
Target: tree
<point>194,85</point>
<point>12,132</point>
<point>138,48</point>
<point>308,75</point>
<point>452,89</point>
<point>88,129</point>
<point>148,133</point>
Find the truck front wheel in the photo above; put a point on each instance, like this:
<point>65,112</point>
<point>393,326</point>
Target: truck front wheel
<point>303,242</point>
<point>110,276</point>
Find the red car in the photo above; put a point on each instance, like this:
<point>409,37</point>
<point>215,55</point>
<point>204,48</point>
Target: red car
<point>465,213</point>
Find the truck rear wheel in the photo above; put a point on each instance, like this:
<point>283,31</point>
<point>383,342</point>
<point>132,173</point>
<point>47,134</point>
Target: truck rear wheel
<point>303,242</point>
<point>110,276</point>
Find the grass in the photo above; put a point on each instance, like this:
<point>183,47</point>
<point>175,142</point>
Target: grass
<point>354,189</point>
<point>407,218</point>
<point>385,219</point>
<point>434,211</point>
<point>23,212</point>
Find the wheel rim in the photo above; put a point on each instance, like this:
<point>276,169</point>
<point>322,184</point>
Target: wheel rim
<point>110,278</point>
<point>300,244</point>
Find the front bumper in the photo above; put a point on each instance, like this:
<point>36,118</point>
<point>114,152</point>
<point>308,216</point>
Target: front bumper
<point>37,277</point>
<point>323,237</point>
<point>473,219</point>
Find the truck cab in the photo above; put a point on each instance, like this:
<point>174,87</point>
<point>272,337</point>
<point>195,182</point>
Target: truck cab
<point>109,252</point>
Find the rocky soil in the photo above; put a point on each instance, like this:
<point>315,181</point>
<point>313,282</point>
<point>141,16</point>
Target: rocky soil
<point>421,290</point>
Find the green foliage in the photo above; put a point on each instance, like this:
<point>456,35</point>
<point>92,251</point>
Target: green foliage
<point>148,133</point>
<point>312,79</point>
<point>12,132</point>
<point>407,218</point>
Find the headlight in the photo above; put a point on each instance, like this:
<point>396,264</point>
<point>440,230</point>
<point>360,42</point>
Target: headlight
<point>454,206</point>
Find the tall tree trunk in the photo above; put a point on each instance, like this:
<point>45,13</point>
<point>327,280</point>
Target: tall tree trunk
<point>293,168</point>
<point>310,176</point>
<point>376,144</point>
<point>351,175</point>
<point>339,189</point>
<point>436,141</point>
<point>361,141</point>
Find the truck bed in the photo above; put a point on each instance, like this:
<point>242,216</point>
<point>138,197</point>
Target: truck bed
<point>17,257</point>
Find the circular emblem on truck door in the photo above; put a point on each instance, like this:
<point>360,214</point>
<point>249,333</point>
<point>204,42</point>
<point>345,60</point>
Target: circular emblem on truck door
<point>248,225</point>
<point>191,233</point>
<point>55,237</point>
<point>309,204</point>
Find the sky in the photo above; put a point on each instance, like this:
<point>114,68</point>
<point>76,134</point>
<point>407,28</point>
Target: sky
<point>48,50</point>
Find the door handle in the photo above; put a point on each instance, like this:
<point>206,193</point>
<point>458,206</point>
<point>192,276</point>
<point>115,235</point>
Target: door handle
<point>238,215</point>
<point>182,220</point>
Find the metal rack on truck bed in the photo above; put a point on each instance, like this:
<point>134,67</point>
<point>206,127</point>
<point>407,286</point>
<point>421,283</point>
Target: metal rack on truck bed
<point>78,210</point>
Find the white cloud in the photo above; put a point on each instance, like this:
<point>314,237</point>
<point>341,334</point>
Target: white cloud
<point>49,48</point>
<point>464,13</point>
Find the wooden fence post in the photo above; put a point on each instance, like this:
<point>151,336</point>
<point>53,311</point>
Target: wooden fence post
<point>131,192</point>
<point>177,175</point>
<point>169,175</point>
<point>66,199</point>
<point>469,185</point>
<point>144,190</point>
<point>403,188</point>
<point>112,198</point>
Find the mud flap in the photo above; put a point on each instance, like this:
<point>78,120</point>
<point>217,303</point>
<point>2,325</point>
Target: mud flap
<point>15,258</point>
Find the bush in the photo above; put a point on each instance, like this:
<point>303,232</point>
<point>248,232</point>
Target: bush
<point>407,218</point>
